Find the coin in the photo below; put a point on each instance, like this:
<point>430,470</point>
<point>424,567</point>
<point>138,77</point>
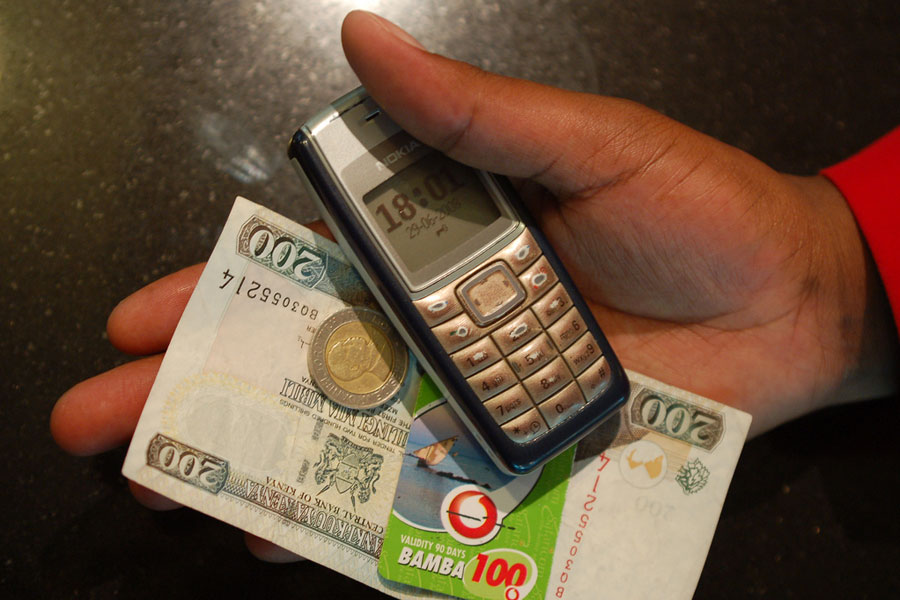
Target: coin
<point>357,359</point>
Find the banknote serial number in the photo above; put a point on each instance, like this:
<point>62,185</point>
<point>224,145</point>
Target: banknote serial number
<point>256,291</point>
<point>583,520</point>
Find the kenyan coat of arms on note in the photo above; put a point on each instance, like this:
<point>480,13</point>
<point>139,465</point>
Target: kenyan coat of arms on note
<point>348,467</point>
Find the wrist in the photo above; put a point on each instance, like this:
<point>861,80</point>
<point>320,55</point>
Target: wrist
<point>860,348</point>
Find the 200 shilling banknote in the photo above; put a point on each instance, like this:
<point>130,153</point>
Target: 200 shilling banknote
<point>235,428</point>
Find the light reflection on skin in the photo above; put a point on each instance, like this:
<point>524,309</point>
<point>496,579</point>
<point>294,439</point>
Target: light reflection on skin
<point>486,33</point>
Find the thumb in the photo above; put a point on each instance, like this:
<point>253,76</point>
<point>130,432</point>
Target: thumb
<point>567,141</point>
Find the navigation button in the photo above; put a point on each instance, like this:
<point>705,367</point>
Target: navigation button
<point>439,306</point>
<point>520,253</point>
<point>491,294</point>
<point>456,333</point>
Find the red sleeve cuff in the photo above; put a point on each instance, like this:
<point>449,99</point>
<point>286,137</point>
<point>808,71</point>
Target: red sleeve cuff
<point>870,181</point>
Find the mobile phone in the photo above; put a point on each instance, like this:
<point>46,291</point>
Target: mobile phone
<point>468,280</point>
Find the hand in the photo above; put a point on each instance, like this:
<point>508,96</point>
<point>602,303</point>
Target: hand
<point>706,269</point>
<point>102,413</point>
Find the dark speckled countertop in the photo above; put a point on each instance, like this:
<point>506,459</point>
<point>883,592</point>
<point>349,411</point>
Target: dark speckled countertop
<point>129,127</point>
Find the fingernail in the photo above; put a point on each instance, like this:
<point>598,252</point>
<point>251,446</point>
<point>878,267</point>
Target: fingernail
<point>397,32</point>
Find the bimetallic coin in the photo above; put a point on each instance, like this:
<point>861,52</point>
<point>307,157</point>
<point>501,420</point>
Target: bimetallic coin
<point>357,359</point>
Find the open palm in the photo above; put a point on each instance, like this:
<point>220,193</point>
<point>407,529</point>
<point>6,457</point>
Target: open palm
<point>706,269</point>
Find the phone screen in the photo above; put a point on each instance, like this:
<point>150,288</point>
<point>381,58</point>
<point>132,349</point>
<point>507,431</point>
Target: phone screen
<point>430,208</point>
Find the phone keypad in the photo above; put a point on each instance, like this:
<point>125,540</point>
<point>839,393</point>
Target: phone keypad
<point>549,308</point>
<point>582,353</point>
<point>512,331</point>
<point>526,427</point>
<point>492,381</point>
<point>595,379</point>
<point>548,380</point>
<point>561,406</point>
<point>476,356</point>
<point>509,404</point>
<point>568,329</point>
<point>520,329</point>
<point>532,356</point>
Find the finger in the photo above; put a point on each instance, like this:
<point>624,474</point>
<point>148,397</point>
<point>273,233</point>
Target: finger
<point>267,551</point>
<point>143,323</point>
<point>151,499</point>
<point>496,123</point>
<point>101,413</point>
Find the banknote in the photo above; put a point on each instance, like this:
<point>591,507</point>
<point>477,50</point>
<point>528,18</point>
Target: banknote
<point>632,516</point>
<point>234,426</point>
<point>645,495</point>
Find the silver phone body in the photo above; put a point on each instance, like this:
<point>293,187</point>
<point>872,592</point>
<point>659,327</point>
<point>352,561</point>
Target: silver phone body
<point>351,150</point>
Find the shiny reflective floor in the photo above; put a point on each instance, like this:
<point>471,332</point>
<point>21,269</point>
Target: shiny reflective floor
<point>127,129</point>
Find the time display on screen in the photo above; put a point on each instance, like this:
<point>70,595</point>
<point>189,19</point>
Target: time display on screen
<point>430,208</point>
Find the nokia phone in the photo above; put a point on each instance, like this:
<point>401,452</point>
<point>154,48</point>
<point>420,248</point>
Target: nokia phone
<point>467,278</point>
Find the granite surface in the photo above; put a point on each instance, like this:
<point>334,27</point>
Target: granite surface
<point>127,128</point>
